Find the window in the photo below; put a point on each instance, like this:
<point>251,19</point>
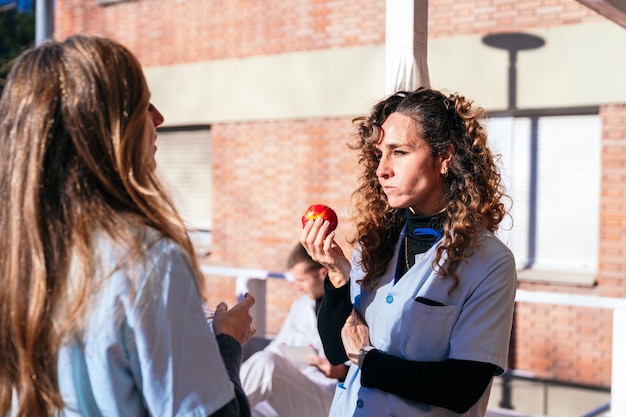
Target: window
<point>184,165</point>
<point>551,169</point>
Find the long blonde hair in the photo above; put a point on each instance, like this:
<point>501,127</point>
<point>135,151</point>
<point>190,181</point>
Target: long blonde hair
<point>72,134</point>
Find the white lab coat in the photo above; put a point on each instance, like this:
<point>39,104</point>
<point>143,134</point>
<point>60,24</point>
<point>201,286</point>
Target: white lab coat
<point>474,324</point>
<point>277,387</point>
<point>146,348</point>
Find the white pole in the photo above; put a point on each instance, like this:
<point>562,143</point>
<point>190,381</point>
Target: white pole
<point>618,364</point>
<point>406,36</point>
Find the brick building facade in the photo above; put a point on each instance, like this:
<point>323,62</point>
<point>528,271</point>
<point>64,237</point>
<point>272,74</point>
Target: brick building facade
<point>279,145</point>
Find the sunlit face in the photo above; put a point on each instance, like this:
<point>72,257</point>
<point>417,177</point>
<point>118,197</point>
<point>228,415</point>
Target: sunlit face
<point>154,118</point>
<point>308,281</point>
<point>409,175</point>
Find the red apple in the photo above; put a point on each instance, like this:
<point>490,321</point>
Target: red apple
<point>323,211</point>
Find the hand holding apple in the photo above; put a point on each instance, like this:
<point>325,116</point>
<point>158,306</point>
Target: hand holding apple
<point>322,247</point>
<point>323,211</point>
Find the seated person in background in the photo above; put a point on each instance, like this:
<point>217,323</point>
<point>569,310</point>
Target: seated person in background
<point>275,381</point>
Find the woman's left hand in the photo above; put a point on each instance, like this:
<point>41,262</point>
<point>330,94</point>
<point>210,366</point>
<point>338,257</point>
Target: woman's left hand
<point>355,334</point>
<point>235,322</point>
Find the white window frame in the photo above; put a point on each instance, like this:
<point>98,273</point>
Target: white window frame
<point>551,167</point>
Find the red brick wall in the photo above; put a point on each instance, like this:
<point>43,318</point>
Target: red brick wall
<point>613,202</point>
<point>265,176</point>
<point>563,343</point>
<point>267,173</point>
<point>456,18</point>
<point>172,32</point>
<point>166,32</point>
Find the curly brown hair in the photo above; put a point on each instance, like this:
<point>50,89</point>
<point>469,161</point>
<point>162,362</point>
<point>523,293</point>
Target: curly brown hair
<point>474,191</point>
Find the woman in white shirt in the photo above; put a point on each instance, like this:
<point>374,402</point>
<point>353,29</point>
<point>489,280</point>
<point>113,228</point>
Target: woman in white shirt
<point>100,292</point>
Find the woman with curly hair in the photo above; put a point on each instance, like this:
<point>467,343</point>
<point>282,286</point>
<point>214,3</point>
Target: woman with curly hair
<point>424,310</point>
<point>100,292</point>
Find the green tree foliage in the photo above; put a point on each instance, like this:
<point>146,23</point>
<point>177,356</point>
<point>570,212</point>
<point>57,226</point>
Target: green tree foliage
<point>17,33</point>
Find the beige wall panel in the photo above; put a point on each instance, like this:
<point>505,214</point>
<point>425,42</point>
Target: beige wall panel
<point>464,65</point>
<point>335,82</point>
<point>579,65</point>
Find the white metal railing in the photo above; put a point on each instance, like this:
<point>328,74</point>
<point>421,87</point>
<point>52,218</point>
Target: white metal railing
<point>253,281</point>
<point>618,357</point>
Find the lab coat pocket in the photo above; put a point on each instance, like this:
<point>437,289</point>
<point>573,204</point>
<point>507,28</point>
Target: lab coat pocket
<point>342,393</point>
<point>424,331</point>
<point>428,301</point>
